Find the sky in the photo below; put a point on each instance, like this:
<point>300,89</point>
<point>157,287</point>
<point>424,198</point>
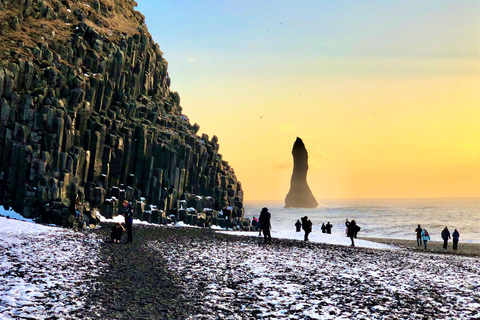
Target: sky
<point>384,94</point>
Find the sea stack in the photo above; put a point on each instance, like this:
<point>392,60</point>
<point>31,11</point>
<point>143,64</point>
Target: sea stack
<point>300,195</point>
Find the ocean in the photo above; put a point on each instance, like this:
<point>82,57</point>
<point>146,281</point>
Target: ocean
<point>382,218</point>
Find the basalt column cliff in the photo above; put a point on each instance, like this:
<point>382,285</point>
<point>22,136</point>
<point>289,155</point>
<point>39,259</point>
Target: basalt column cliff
<point>300,195</point>
<point>87,113</point>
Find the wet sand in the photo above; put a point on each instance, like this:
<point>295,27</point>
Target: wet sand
<point>464,249</point>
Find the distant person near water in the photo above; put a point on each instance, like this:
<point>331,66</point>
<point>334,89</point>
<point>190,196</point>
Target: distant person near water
<point>455,237</point>
<point>445,237</point>
<point>419,235</point>
<point>425,237</point>
<point>307,227</point>
<point>352,230</point>
<point>328,226</point>
<point>324,228</point>
<point>298,225</point>
<point>265,225</point>
<point>255,223</point>
<point>129,213</point>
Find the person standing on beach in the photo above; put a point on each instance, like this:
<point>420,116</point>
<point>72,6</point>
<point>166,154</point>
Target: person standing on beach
<point>254,223</point>
<point>298,225</point>
<point>307,227</point>
<point>324,228</point>
<point>129,213</point>
<point>351,230</point>
<point>329,227</point>
<point>425,237</point>
<point>264,220</point>
<point>455,237</point>
<point>445,237</point>
<point>419,235</point>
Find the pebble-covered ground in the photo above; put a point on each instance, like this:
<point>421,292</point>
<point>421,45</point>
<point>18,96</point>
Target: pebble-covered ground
<point>182,273</point>
<point>47,275</point>
<point>245,280</point>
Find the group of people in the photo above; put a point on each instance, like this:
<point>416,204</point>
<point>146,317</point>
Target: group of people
<point>326,228</point>
<point>262,224</point>
<point>424,236</point>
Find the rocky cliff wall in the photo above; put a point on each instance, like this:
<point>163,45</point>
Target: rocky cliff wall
<point>86,109</point>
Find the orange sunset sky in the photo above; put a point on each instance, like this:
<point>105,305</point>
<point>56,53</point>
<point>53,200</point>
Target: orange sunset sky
<point>384,94</point>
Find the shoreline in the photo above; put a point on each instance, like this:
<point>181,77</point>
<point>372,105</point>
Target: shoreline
<point>464,249</point>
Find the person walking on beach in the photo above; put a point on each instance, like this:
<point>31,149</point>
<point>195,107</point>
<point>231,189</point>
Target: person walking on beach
<point>298,225</point>
<point>324,228</point>
<point>329,227</point>
<point>307,227</point>
<point>264,220</point>
<point>351,230</point>
<point>129,213</point>
<point>425,237</point>
<point>455,237</point>
<point>445,237</point>
<point>419,235</point>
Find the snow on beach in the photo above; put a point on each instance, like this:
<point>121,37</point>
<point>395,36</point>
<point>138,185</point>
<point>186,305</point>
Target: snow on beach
<point>316,238</point>
<point>45,271</point>
<point>285,280</point>
<point>48,272</point>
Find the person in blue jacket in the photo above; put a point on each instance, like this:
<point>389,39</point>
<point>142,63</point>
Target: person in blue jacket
<point>425,237</point>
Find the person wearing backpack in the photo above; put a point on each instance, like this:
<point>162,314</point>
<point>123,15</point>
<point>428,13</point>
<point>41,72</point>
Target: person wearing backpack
<point>265,225</point>
<point>352,230</point>
<point>307,227</point>
<point>425,237</point>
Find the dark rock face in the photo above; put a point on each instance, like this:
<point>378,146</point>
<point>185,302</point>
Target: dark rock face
<point>86,109</point>
<point>300,195</point>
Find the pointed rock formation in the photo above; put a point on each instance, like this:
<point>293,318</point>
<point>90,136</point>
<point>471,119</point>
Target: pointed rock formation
<point>300,195</point>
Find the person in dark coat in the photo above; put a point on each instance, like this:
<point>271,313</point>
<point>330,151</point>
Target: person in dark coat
<point>445,237</point>
<point>255,223</point>
<point>328,226</point>
<point>298,225</point>
<point>129,213</point>
<point>455,237</point>
<point>419,235</point>
<point>351,230</point>
<point>324,228</point>
<point>307,227</point>
<point>265,225</point>
<point>117,231</point>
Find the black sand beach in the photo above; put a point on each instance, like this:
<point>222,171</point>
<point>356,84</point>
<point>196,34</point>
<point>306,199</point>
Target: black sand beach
<point>187,273</point>
<point>184,273</point>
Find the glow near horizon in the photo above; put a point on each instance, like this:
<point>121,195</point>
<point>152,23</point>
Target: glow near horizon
<point>384,94</point>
